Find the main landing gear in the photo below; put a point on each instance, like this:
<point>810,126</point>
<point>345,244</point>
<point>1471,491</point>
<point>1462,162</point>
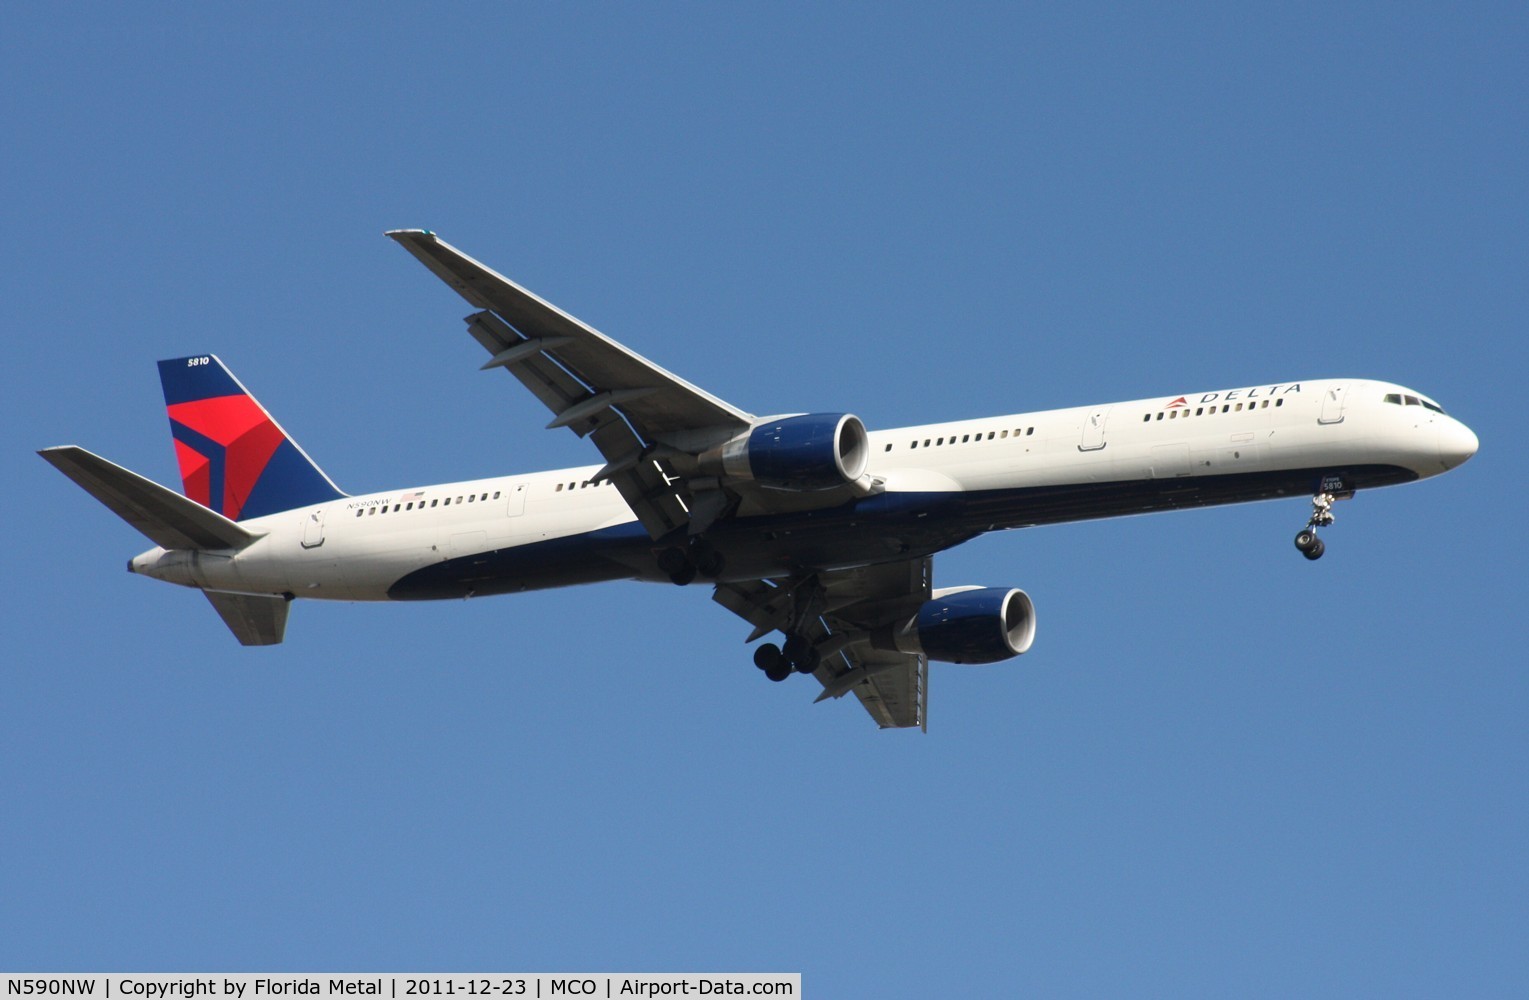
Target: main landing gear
<point>1321,516</point>
<point>684,564</point>
<point>796,655</point>
<point>792,609</point>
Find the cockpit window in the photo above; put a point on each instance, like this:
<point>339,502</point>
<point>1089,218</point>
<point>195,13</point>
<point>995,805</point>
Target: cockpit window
<point>1398,399</point>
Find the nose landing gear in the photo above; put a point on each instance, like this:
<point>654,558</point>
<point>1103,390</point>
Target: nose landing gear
<point>1307,541</point>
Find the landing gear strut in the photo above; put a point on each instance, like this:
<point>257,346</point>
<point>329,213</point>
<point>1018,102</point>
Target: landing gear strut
<point>1307,541</point>
<point>797,654</point>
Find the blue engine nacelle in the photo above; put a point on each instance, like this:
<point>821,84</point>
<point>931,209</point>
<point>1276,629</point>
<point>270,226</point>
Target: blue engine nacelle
<point>968,625</point>
<point>812,451</point>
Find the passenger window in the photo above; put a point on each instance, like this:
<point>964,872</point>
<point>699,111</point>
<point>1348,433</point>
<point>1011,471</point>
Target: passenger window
<point>1146,418</point>
<point>359,511</point>
<point>1160,415</point>
<point>496,494</point>
<point>434,502</point>
<point>965,438</point>
<point>1278,403</point>
<point>1004,434</point>
<point>371,510</point>
<point>887,448</point>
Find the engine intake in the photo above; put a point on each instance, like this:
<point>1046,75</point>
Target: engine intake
<point>812,451</point>
<point>968,625</point>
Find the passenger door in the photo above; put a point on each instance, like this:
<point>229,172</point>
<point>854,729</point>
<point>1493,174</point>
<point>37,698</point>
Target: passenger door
<point>313,528</point>
<point>1093,429</point>
<point>1332,404</point>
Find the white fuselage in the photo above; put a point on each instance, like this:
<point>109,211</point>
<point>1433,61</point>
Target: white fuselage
<point>1137,453</point>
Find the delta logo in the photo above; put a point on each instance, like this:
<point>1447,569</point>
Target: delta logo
<point>223,445</point>
<point>1231,395</point>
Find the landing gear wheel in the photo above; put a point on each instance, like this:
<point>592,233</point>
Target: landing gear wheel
<point>808,663</point>
<point>683,576</point>
<point>796,648</point>
<point>1307,541</point>
<point>779,672</point>
<point>766,656</point>
<point>673,560</point>
<point>706,559</point>
<point>711,564</point>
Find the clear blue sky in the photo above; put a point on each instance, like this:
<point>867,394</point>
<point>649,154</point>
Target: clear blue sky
<point>1223,771</point>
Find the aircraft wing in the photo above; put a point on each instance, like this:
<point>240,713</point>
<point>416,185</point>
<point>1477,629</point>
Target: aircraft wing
<point>624,403</point>
<point>892,686</point>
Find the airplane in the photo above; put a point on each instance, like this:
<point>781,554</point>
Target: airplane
<point>807,525</point>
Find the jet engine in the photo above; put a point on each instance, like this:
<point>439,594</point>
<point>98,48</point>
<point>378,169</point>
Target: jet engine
<point>967,625</point>
<point>808,452</point>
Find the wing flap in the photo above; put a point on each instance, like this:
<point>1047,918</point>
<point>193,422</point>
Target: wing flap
<point>893,687</point>
<point>640,482</point>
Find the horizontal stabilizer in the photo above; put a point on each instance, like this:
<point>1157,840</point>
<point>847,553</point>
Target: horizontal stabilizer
<point>254,619</point>
<point>163,515</point>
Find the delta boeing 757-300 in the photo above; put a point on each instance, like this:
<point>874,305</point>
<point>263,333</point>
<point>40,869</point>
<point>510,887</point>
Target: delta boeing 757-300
<point>809,525</point>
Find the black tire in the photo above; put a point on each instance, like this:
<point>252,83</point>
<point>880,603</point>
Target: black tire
<point>809,662</point>
<point>711,563</point>
<point>673,561</point>
<point>766,656</point>
<point>779,672</point>
<point>796,648</point>
<point>683,576</point>
<point>1306,541</point>
<point>1315,552</point>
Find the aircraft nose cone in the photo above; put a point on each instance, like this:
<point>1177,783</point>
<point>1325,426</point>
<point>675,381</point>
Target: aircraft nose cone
<point>1457,443</point>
